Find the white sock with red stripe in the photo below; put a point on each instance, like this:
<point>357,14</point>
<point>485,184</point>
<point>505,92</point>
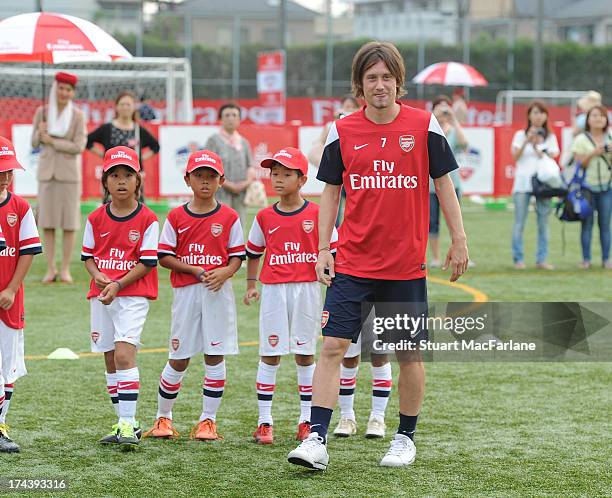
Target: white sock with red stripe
<point>266,382</point>
<point>346,398</point>
<point>111,387</point>
<point>169,386</point>
<point>8,393</point>
<point>304,376</point>
<point>128,386</point>
<point>212,392</point>
<point>382,381</point>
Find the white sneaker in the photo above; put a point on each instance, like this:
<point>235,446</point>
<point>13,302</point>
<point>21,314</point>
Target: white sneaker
<point>376,427</point>
<point>346,427</point>
<point>312,453</point>
<point>402,452</point>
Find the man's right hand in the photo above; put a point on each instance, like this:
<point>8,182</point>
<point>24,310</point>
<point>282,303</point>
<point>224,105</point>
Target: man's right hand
<point>325,262</point>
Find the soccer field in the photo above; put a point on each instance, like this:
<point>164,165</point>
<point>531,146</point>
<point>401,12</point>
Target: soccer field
<point>492,429</point>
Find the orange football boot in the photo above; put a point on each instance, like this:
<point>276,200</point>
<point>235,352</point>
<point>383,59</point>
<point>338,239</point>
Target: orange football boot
<point>303,431</point>
<point>162,428</point>
<point>206,430</point>
<point>263,434</point>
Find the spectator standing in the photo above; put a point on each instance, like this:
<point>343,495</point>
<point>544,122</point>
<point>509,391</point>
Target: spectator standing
<point>59,129</point>
<point>585,103</point>
<point>235,153</point>
<point>531,148</point>
<point>124,130</point>
<point>459,106</point>
<point>592,149</point>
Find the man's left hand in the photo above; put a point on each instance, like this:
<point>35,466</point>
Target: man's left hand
<point>457,258</point>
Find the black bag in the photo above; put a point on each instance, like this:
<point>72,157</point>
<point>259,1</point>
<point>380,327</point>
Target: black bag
<point>543,191</point>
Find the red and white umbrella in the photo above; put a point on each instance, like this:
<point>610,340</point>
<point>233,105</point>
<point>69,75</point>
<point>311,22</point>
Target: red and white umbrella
<point>55,38</point>
<point>450,74</point>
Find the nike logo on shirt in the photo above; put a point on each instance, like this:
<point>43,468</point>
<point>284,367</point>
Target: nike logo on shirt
<point>357,147</point>
<point>104,234</point>
<point>181,230</point>
<point>272,230</point>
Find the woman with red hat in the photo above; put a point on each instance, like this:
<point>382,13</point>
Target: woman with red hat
<point>59,130</point>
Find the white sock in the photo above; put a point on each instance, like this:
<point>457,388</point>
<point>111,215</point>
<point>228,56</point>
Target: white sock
<point>346,398</point>
<point>128,386</point>
<point>304,375</point>
<point>382,381</point>
<point>111,387</point>
<point>2,400</point>
<point>212,392</point>
<point>8,393</point>
<point>266,382</point>
<point>169,386</point>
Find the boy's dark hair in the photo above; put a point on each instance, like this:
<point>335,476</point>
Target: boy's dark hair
<point>106,174</point>
<point>276,163</point>
<point>205,167</point>
<point>230,105</point>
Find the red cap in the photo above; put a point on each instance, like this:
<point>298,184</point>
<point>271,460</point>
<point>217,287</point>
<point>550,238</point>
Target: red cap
<point>289,157</point>
<point>8,158</point>
<point>204,159</point>
<point>121,156</point>
<point>69,78</point>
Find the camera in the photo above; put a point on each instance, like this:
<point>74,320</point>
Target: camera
<point>541,132</point>
<point>607,148</point>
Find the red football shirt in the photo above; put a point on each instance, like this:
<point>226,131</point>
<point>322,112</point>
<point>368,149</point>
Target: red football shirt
<point>385,170</point>
<point>289,241</point>
<point>118,244</point>
<point>206,240</point>
<point>21,236</point>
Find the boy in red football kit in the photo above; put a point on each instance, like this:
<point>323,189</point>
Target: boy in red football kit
<point>289,319</point>
<point>19,242</point>
<point>202,243</point>
<point>120,254</point>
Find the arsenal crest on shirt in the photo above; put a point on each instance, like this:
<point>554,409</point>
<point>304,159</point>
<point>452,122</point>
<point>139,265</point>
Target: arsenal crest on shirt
<point>175,343</point>
<point>406,142</point>
<point>308,225</point>
<point>134,236</point>
<point>11,219</point>
<point>273,340</point>
<point>216,229</point>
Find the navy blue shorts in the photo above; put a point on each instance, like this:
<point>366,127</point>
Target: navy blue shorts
<point>349,300</point>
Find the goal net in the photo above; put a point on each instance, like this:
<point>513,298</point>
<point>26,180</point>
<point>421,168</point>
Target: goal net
<point>164,83</point>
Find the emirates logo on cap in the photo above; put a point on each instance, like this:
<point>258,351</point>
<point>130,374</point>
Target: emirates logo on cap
<point>121,155</point>
<point>205,157</point>
<point>283,153</point>
<point>6,151</point>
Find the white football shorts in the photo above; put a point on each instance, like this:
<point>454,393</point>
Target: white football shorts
<point>290,318</point>
<point>120,321</point>
<point>12,364</point>
<point>203,321</point>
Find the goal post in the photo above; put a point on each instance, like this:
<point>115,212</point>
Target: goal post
<point>166,82</point>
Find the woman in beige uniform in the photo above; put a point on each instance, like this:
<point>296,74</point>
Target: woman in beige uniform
<point>60,132</point>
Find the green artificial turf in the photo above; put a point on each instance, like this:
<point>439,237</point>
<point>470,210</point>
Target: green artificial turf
<point>486,429</point>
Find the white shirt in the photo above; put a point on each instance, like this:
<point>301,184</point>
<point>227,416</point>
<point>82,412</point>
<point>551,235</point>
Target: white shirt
<point>527,163</point>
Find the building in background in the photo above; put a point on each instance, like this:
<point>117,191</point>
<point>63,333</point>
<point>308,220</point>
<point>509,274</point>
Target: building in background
<point>119,16</point>
<point>406,20</point>
<point>214,22</point>
<point>581,21</point>
<point>85,9</point>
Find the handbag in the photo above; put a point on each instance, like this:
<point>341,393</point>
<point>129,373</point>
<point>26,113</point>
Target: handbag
<point>577,205</point>
<point>547,182</point>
